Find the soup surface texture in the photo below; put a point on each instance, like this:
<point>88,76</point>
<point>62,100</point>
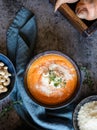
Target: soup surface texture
<point>51,79</point>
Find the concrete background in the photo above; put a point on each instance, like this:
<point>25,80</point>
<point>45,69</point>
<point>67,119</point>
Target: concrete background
<point>55,32</point>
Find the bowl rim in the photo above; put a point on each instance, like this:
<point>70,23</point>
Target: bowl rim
<point>6,94</point>
<point>75,93</point>
<point>78,107</point>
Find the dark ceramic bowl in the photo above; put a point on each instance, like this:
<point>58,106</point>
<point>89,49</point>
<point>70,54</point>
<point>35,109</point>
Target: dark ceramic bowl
<point>11,70</point>
<point>78,107</point>
<point>78,82</point>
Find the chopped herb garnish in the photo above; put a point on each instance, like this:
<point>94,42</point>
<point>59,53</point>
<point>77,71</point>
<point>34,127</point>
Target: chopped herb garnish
<point>57,81</point>
<point>52,76</point>
<point>60,80</point>
<point>56,84</point>
<point>64,82</point>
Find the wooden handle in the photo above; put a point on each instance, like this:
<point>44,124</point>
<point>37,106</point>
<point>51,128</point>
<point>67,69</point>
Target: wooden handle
<point>69,13</point>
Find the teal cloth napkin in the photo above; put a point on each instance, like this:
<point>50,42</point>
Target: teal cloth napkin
<point>21,37</point>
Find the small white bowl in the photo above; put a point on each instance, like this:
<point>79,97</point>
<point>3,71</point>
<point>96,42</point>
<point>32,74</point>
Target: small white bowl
<point>78,107</point>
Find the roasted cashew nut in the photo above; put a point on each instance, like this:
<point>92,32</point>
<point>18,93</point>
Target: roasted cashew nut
<point>3,89</point>
<point>1,64</point>
<point>7,82</point>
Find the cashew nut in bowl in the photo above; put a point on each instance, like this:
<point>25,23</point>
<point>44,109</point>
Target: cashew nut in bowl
<point>1,64</point>
<point>3,89</point>
<point>4,78</point>
<point>2,72</point>
<point>7,82</point>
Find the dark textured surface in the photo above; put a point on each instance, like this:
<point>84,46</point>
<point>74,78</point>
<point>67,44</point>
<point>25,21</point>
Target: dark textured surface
<point>54,33</point>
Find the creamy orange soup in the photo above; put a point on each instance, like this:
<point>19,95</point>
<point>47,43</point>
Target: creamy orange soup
<point>52,79</point>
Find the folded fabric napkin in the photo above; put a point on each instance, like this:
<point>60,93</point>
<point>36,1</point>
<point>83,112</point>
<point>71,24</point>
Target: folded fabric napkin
<point>20,44</point>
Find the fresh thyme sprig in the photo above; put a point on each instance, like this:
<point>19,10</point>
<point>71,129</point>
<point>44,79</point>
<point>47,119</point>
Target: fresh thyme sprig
<point>9,107</point>
<point>87,79</point>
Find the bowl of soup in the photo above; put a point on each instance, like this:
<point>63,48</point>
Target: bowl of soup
<point>52,79</point>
